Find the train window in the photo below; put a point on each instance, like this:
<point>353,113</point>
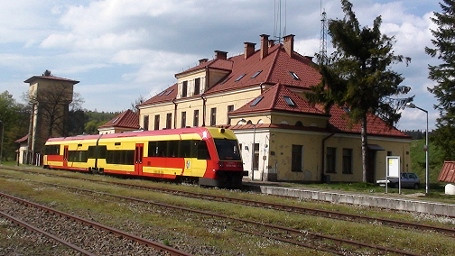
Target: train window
<point>77,156</point>
<point>96,152</point>
<point>153,148</point>
<point>173,148</point>
<point>227,149</point>
<point>202,150</point>
<point>120,157</point>
<point>162,148</point>
<point>52,150</point>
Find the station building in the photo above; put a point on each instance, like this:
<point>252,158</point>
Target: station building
<point>260,94</point>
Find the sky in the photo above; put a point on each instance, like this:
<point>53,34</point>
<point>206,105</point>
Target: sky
<point>123,50</point>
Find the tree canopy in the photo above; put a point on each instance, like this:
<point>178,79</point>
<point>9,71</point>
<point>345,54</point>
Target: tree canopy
<point>444,75</point>
<point>358,74</point>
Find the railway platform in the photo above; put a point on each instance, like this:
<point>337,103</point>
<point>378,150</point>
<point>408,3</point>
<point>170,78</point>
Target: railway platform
<point>387,201</point>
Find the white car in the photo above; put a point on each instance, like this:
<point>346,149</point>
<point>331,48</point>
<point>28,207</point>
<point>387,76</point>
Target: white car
<point>408,180</point>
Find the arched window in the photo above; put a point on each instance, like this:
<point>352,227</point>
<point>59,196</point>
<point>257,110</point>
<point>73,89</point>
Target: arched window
<point>299,124</point>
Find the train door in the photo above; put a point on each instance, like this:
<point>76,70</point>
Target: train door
<point>65,156</point>
<point>138,155</point>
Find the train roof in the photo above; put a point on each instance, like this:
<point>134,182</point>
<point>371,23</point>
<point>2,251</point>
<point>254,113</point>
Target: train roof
<point>198,130</point>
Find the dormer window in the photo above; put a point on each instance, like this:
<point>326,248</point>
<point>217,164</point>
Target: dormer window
<point>185,88</point>
<point>240,77</point>
<point>197,86</point>
<point>294,75</point>
<point>289,101</point>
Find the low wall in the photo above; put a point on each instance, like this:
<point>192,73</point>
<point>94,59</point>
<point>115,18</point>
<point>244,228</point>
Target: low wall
<point>433,208</point>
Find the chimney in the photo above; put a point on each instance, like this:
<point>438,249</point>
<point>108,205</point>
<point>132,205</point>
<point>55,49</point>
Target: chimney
<point>289,44</point>
<point>220,55</point>
<point>264,45</point>
<point>201,61</point>
<point>249,49</point>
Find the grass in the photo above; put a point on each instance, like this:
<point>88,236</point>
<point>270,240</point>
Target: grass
<point>203,232</point>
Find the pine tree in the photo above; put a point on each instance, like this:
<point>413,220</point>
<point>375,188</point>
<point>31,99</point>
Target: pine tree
<point>444,75</point>
<point>357,75</point>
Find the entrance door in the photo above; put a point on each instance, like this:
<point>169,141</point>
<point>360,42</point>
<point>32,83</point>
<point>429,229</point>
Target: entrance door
<point>371,167</point>
<point>138,155</point>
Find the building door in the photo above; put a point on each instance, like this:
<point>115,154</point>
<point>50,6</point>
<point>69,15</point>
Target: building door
<point>138,155</point>
<point>371,167</point>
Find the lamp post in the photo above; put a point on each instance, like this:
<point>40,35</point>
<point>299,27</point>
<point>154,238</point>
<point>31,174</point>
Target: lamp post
<point>412,105</point>
<point>1,149</point>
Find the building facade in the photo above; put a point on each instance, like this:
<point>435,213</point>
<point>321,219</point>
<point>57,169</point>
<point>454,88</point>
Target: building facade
<point>260,94</point>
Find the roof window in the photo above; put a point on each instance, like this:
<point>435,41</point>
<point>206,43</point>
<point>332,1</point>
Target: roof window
<point>240,77</point>
<point>256,101</point>
<point>294,75</point>
<point>169,92</point>
<point>289,101</point>
<point>161,93</point>
<point>256,74</point>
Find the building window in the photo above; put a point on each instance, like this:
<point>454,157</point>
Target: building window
<point>146,123</point>
<point>197,86</point>
<point>347,160</point>
<point>157,122</point>
<point>289,101</point>
<point>256,157</point>
<point>331,157</point>
<point>256,101</point>
<point>196,118</point>
<point>230,108</point>
<point>185,88</point>
<point>183,121</point>
<point>294,75</point>
<point>212,116</point>
<point>297,156</point>
<point>169,121</point>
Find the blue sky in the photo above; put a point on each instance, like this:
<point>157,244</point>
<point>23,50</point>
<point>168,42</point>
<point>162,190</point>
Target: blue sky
<point>123,50</point>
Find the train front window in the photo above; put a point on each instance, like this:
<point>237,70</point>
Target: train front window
<point>227,149</point>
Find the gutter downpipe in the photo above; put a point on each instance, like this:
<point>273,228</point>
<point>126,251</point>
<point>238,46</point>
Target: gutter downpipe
<point>204,100</point>
<point>323,155</point>
<point>175,113</point>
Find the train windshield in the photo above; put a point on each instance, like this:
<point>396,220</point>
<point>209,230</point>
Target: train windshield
<point>227,149</point>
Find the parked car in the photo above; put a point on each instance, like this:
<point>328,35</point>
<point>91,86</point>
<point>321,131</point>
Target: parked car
<point>408,180</point>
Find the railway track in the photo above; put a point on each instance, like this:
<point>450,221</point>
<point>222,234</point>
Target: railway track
<point>87,233</point>
<point>302,238</point>
<point>287,208</point>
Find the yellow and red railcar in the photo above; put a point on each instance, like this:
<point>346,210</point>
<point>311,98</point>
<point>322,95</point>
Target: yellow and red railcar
<point>210,155</point>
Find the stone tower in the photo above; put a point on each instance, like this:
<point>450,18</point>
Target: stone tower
<point>49,97</point>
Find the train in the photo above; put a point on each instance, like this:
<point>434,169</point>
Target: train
<point>209,156</point>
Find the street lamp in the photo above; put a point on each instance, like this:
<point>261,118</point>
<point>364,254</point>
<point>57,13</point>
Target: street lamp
<point>1,142</point>
<point>411,105</point>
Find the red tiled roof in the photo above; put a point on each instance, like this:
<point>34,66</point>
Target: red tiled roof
<point>215,64</point>
<point>447,173</point>
<point>273,99</point>
<point>50,77</point>
<point>275,68</point>
<point>127,119</point>
<point>167,95</point>
<point>340,122</point>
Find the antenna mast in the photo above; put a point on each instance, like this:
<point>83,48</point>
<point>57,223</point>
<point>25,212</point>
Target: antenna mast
<point>323,46</point>
<point>279,29</point>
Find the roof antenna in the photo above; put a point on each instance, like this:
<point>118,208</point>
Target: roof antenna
<point>323,41</point>
<point>279,29</point>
